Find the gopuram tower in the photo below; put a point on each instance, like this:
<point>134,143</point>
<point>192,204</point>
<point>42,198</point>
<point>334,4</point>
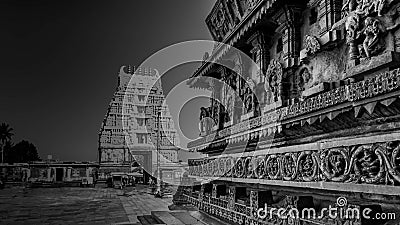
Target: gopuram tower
<point>128,135</point>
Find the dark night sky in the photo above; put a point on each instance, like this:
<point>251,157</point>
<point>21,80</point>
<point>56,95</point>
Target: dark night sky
<point>60,60</point>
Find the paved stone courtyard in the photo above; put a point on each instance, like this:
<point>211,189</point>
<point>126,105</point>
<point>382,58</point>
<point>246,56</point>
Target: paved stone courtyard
<point>76,205</point>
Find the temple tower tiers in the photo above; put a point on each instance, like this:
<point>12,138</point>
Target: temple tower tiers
<point>129,130</point>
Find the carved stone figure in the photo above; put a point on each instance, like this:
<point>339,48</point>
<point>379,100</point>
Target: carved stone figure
<point>334,164</point>
<point>234,11</point>
<point>268,93</point>
<point>229,109</point>
<point>354,11</point>
<point>221,167</point>
<point>249,167</point>
<point>239,168</point>
<point>368,163</point>
<point>248,103</point>
<point>352,25</point>
<point>373,41</point>
<point>215,113</point>
<point>273,170</point>
<point>249,95</point>
<point>251,4</point>
<point>260,167</point>
<point>371,6</point>
<point>203,115</point>
<point>364,7</point>
<point>303,78</point>
<point>312,45</point>
<point>289,168</point>
<point>307,166</point>
<point>273,81</point>
<point>229,167</point>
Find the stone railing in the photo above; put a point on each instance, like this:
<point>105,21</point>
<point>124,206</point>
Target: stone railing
<point>375,86</point>
<point>239,215</point>
<point>377,163</point>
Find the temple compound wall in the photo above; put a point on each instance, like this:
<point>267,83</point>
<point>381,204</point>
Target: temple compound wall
<point>313,123</point>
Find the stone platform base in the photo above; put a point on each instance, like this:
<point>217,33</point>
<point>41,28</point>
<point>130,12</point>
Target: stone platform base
<point>179,217</point>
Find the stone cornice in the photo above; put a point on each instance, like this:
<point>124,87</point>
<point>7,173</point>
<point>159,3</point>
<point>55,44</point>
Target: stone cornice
<point>249,20</point>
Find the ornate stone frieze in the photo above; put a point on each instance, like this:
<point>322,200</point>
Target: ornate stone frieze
<point>377,163</point>
<point>380,84</point>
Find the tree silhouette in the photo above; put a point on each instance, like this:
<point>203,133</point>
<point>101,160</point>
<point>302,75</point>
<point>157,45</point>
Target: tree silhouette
<point>23,152</point>
<point>7,148</point>
<point>5,135</point>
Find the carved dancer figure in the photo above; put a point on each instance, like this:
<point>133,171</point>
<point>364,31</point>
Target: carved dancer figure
<point>268,93</point>
<point>378,6</point>
<point>369,164</point>
<point>274,79</point>
<point>366,7</point>
<point>372,32</point>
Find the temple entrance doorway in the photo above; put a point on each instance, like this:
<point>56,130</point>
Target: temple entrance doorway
<point>59,174</point>
<point>144,159</point>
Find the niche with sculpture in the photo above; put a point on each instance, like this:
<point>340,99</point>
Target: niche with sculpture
<point>206,121</point>
<point>368,24</point>
<point>273,84</point>
<point>304,79</point>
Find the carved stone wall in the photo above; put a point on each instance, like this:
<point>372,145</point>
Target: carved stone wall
<point>377,163</point>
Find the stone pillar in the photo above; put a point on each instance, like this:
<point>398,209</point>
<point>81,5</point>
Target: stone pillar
<point>87,172</point>
<point>329,12</point>
<point>289,19</point>
<point>201,194</point>
<point>49,174</point>
<point>214,191</point>
<point>253,204</point>
<point>231,198</point>
<point>69,170</point>
<point>260,54</point>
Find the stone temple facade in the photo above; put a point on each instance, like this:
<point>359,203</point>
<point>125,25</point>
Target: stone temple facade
<point>315,124</point>
<point>129,131</point>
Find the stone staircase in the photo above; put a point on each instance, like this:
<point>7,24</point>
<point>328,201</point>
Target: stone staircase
<point>179,217</point>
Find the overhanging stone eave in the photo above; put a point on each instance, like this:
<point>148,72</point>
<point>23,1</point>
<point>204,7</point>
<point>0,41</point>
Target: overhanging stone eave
<point>231,39</point>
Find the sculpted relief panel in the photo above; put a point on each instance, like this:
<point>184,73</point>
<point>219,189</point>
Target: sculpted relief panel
<point>377,163</point>
<point>367,25</point>
<point>273,82</point>
<point>226,14</point>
